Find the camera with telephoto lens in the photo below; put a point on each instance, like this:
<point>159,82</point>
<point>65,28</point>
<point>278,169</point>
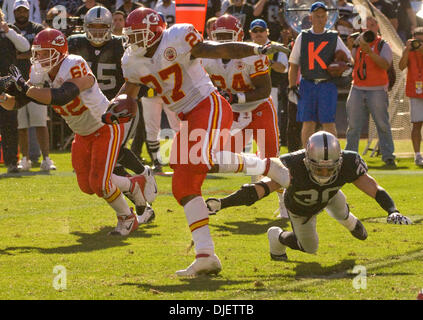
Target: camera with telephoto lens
<point>416,44</point>
<point>368,36</point>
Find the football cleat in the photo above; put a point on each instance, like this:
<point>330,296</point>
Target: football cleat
<point>145,214</point>
<point>125,225</point>
<point>213,205</point>
<point>47,164</point>
<point>143,188</point>
<point>277,249</point>
<point>24,164</point>
<point>203,264</point>
<point>359,231</point>
<point>398,218</point>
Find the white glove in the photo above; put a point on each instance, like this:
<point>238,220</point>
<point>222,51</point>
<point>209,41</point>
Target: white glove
<point>398,218</point>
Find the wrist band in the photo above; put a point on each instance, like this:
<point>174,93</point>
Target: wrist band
<point>241,97</point>
<point>256,50</point>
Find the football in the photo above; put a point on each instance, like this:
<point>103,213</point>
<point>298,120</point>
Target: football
<point>336,69</point>
<point>121,110</point>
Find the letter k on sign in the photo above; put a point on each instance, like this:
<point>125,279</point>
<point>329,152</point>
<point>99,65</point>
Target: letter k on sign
<point>314,55</point>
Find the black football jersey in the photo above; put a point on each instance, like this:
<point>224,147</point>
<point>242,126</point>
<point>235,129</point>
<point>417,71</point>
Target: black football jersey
<point>105,61</point>
<point>304,197</point>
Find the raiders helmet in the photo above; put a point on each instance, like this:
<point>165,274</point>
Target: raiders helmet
<point>98,25</point>
<point>323,158</point>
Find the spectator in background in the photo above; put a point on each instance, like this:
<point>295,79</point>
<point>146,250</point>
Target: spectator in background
<point>259,34</point>
<point>244,12</point>
<point>388,9</point>
<point>268,10</point>
<point>313,51</point>
<point>407,21</point>
<point>33,114</point>
<point>118,23</point>
<point>34,11</point>
<point>413,60</point>
<point>214,9</point>
<point>10,41</point>
<point>369,93</point>
<point>168,9</point>
<point>128,6</point>
<point>70,5</point>
<point>82,10</point>
<point>344,25</point>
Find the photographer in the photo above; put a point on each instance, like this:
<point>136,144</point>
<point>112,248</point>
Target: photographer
<point>372,58</point>
<point>412,58</point>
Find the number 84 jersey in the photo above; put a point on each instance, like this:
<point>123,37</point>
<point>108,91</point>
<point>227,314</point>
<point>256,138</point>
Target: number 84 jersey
<point>83,114</point>
<point>304,197</point>
<point>178,79</point>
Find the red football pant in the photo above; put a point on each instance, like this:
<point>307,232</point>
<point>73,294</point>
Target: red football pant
<point>94,157</point>
<point>204,131</point>
<point>263,127</point>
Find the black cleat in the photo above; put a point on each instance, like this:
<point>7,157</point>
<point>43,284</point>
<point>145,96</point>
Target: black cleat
<point>281,257</point>
<point>359,231</point>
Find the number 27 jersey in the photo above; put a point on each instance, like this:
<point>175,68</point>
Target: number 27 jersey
<point>178,79</point>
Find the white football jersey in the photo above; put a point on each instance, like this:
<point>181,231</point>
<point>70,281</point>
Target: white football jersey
<point>83,114</point>
<point>180,81</point>
<point>235,76</point>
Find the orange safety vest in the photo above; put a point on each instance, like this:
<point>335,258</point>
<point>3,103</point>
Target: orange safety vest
<point>366,72</point>
<point>414,74</point>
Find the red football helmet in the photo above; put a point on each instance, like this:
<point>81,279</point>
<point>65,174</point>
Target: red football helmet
<point>49,48</point>
<point>227,24</point>
<point>143,28</point>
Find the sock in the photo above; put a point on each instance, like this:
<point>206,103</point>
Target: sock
<point>129,160</point>
<point>153,148</point>
<point>123,183</point>
<point>230,162</point>
<point>282,208</point>
<point>118,203</point>
<point>349,222</point>
<point>417,155</point>
<point>197,216</point>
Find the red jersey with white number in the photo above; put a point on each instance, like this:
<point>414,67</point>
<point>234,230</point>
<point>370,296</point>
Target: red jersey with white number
<point>178,79</point>
<point>83,114</point>
<point>235,76</point>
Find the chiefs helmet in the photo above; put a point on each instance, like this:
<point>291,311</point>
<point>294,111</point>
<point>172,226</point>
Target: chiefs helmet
<point>143,28</point>
<point>49,48</point>
<point>227,24</point>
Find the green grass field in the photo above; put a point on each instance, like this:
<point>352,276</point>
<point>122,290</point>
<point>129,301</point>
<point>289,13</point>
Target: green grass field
<point>46,223</point>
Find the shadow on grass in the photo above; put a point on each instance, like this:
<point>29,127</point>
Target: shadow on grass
<point>201,283</point>
<point>258,226</point>
<point>24,174</point>
<point>88,242</point>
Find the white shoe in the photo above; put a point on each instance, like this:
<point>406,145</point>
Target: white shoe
<point>47,164</point>
<point>147,216</point>
<point>24,164</point>
<point>150,189</point>
<point>277,249</point>
<point>125,225</point>
<point>203,264</point>
<point>213,205</point>
<point>419,161</point>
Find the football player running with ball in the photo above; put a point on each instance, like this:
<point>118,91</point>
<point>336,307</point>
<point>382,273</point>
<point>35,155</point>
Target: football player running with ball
<point>167,60</point>
<point>74,93</point>
<point>313,178</point>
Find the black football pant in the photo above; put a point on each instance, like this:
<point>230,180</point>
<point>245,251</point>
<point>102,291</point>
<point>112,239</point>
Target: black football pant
<point>9,136</point>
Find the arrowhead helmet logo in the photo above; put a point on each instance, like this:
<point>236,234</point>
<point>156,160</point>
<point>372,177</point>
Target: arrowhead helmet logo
<point>151,19</point>
<point>59,41</point>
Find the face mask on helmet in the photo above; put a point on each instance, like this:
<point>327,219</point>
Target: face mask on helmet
<point>223,36</point>
<point>98,33</point>
<point>44,59</point>
<point>137,42</point>
<point>323,171</point>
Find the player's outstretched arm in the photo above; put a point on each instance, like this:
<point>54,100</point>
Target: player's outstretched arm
<point>131,89</point>
<point>368,185</point>
<point>247,195</point>
<point>233,50</point>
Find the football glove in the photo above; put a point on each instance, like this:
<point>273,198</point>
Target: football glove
<point>5,83</point>
<point>271,48</point>
<point>293,94</point>
<point>18,79</point>
<point>398,218</point>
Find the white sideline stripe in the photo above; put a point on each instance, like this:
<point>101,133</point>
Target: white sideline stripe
<point>396,172</point>
<point>376,265</point>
